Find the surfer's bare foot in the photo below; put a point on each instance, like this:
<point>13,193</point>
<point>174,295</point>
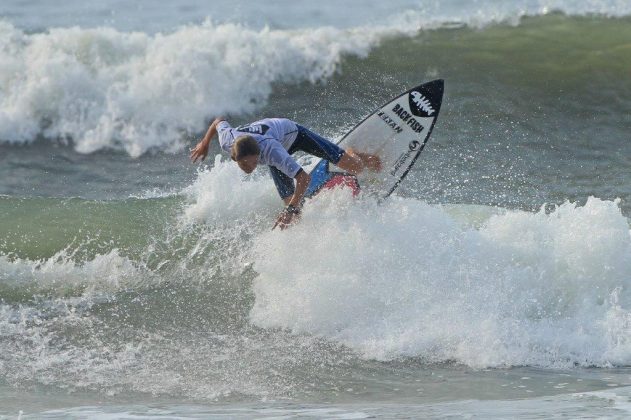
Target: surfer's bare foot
<point>370,162</point>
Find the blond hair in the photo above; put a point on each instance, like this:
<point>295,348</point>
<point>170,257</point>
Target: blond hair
<point>244,146</point>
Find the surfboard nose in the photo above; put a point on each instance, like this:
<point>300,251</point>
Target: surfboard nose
<point>425,100</point>
<point>436,86</point>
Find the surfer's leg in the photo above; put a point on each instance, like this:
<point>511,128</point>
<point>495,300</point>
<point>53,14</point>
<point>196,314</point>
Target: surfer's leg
<point>316,145</point>
<point>284,184</point>
<point>348,160</point>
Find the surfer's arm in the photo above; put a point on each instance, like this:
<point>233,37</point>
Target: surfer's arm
<point>302,183</point>
<point>294,202</point>
<point>201,149</point>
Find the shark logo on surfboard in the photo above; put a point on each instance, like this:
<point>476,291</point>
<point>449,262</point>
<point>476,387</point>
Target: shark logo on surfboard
<point>422,103</point>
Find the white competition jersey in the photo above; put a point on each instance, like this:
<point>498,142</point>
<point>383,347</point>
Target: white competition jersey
<point>274,137</point>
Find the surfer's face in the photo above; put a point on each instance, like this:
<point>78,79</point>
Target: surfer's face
<point>248,163</point>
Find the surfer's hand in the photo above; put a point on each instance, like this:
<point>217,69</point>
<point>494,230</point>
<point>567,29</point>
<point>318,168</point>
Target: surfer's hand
<point>200,151</point>
<point>287,217</point>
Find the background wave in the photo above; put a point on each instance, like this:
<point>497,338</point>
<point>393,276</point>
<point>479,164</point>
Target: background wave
<point>136,91</point>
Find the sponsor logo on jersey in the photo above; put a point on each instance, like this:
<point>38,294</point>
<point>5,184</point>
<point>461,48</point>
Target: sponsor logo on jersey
<point>407,118</point>
<point>420,105</point>
<point>253,128</point>
<point>390,122</point>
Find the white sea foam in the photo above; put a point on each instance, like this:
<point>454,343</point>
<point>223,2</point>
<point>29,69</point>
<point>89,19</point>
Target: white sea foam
<point>224,195</point>
<point>406,279</point>
<point>60,272</point>
<point>484,288</point>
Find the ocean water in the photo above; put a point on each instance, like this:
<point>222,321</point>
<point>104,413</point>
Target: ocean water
<point>496,283</point>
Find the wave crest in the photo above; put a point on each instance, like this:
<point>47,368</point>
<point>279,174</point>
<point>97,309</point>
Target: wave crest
<point>101,88</point>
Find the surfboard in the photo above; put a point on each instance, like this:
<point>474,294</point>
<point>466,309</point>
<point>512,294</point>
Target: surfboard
<point>396,132</point>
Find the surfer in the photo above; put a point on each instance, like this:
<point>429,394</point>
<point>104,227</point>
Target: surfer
<point>272,141</point>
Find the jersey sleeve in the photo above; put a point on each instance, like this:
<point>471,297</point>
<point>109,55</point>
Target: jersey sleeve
<point>282,160</point>
<point>225,135</point>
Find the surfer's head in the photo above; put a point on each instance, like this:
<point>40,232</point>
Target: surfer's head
<point>245,151</point>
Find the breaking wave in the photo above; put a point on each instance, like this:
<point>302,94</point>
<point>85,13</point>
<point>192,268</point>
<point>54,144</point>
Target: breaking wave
<point>102,88</point>
<point>354,280</point>
<point>405,279</point>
